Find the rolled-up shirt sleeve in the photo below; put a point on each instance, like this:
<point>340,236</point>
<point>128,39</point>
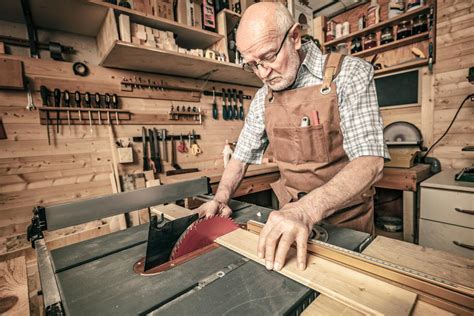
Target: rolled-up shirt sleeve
<point>361,122</point>
<point>253,139</point>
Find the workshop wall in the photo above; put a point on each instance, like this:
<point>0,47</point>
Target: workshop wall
<point>454,56</point>
<point>78,163</point>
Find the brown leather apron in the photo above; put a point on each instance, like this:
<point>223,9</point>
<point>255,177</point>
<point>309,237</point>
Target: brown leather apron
<point>308,157</point>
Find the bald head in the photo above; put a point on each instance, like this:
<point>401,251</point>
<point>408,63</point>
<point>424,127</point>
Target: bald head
<point>262,20</point>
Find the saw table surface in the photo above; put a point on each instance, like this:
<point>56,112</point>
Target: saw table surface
<point>96,277</point>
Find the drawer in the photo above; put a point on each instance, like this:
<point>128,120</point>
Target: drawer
<point>441,236</point>
<point>446,206</point>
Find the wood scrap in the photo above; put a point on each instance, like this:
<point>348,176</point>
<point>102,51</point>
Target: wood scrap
<point>14,287</point>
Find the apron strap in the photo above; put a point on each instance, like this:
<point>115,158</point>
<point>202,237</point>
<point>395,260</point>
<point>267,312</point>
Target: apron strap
<point>332,67</point>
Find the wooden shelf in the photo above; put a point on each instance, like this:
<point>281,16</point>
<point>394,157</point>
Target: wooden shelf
<point>187,36</point>
<point>135,57</point>
<point>379,26</point>
<point>395,44</point>
<point>85,17</point>
<point>73,16</point>
<point>412,64</point>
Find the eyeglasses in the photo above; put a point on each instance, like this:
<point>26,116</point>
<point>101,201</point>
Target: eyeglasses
<point>253,66</point>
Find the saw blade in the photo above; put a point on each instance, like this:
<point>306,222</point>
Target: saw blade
<point>202,233</point>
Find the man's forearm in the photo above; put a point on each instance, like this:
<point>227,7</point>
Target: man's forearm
<point>349,183</point>
<point>230,181</point>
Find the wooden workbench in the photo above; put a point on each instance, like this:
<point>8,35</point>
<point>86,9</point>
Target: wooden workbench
<point>406,180</point>
<point>257,178</point>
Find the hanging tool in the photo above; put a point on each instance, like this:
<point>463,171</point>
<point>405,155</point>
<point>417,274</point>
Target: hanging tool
<point>151,138</point>
<point>107,100</point>
<point>165,144</point>
<point>87,100</point>
<point>30,103</point>
<point>215,112</point>
<point>57,103</point>
<point>230,111</point>
<point>67,103</point>
<point>146,166</point>
<point>182,145</point>
<point>115,106</point>
<point>224,105</point>
<point>97,105</point>
<point>158,166</point>
<point>236,110</point>
<point>77,100</point>
<point>45,98</point>
<point>195,149</point>
<point>241,109</point>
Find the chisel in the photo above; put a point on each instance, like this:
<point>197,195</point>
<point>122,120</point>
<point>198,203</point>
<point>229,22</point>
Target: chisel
<point>151,138</point>
<point>165,144</point>
<point>145,150</point>
<point>97,105</point>
<point>158,166</point>
<point>67,103</point>
<point>45,98</point>
<point>57,103</point>
<point>77,100</point>
<point>230,111</point>
<point>87,100</point>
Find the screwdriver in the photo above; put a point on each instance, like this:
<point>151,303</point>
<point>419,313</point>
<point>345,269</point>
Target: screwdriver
<point>45,98</point>
<point>107,105</point>
<point>115,106</point>
<point>77,99</point>
<point>230,112</point>
<point>241,110</point>
<point>67,103</point>
<point>97,105</point>
<point>87,100</point>
<point>57,102</point>
<point>215,112</point>
<point>224,105</point>
<point>236,110</point>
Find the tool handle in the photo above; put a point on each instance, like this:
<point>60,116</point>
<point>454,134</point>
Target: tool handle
<point>44,95</point>
<point>87,99</point>
<point>241,113</point>
<point>67,98</point>
<point>57,97</point>
<point>114,101</point>
<point>215,112</point>
<point>107,100</point>
<point>97,100</point>
<point>77,98</point>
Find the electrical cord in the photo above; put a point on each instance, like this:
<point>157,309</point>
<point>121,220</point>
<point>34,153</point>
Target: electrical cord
<point>450,124</point>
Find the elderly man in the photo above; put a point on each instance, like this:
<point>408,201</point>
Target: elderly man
<point>319,113</point>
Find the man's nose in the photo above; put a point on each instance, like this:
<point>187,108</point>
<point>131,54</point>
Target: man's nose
<point>264,72</point>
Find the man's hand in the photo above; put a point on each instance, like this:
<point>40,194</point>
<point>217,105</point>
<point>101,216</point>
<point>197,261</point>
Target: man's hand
<point>284,227</point>
<point>213,208</point>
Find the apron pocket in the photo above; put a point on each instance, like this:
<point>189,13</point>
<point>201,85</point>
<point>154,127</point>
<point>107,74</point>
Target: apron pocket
<point>285,145</point>
<point>312,144</point>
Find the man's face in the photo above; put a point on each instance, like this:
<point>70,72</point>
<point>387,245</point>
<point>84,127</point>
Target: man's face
<point>280,73</point>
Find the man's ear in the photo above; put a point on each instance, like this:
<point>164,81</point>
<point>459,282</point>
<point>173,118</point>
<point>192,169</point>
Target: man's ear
<point>295,34</point>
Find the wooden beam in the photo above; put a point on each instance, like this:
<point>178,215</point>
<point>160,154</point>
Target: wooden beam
<point>360,291</point>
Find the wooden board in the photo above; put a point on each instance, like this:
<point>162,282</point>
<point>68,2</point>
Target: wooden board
<point>171,211</point>
<point>325,306</point>
<point>14,287</point>
<point>141,58</point>
<point>361,292</point>
<point>11,74</point>
<point>404,179</point>
<point>445,265</point>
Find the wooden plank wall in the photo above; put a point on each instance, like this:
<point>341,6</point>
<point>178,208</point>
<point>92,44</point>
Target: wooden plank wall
<point>454,56</point>
<point>445,87</point>
<point>77,165</point>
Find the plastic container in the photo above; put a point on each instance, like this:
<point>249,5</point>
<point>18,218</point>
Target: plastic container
<point>413,4</point>
<point>330,30</point>
<point>420,24</point>
<point>370,41</point>
<point>356,45</point>
<point>395,8</point>
<point>386,35</point>
<point>338,30</point>
<point>373,14</point>
<point>403,30</point>
<point>346,28</point>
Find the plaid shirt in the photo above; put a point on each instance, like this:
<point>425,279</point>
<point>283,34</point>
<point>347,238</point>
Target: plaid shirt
<point>361,124</point>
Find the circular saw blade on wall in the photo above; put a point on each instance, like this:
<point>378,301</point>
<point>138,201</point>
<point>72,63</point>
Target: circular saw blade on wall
<point>402,134</point>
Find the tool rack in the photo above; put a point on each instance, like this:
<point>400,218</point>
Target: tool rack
<point>77,116</point>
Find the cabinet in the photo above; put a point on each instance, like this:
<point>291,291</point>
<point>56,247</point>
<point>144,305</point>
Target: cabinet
<point>447,214</point>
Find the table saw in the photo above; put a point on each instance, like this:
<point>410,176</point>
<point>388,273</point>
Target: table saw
<point>100,276</point>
